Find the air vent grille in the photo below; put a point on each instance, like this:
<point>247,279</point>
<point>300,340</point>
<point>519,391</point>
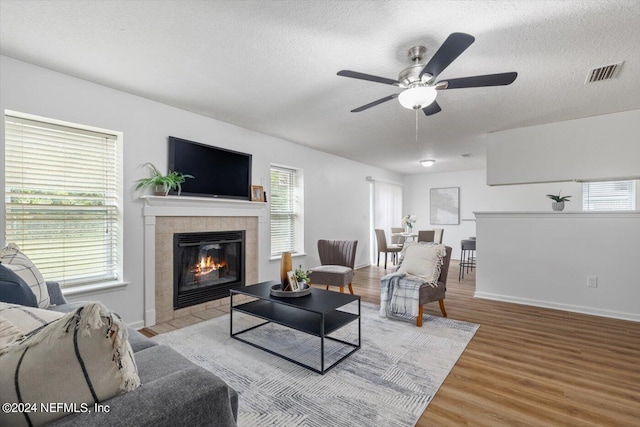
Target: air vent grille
<point>605,72</point>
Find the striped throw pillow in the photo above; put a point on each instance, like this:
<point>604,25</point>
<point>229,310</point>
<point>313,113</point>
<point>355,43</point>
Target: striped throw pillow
<point>80,359</point>
<point>12,258</point>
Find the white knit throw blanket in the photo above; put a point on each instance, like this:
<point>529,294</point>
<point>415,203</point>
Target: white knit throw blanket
<point>399,295</point>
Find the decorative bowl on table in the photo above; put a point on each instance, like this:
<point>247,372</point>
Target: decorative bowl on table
<point>277,291</point>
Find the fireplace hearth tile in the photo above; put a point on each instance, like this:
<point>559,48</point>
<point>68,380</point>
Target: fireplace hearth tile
<point>209,313</point>
<point>185,321</point>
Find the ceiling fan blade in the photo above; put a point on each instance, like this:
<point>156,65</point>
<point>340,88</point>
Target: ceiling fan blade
<point>432,108</point>
<point>452,47</point>
<point>501,79</point>
<point>369,77</point>
<point>374,103</point>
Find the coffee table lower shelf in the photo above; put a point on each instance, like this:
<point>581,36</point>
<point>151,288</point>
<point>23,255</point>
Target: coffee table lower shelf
<point>309,322</point>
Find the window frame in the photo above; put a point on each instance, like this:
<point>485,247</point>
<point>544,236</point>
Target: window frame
<point>114,278</point>
<point>297,203</point>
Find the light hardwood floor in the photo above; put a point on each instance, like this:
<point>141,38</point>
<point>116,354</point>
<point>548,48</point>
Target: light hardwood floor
<point>529,366</point>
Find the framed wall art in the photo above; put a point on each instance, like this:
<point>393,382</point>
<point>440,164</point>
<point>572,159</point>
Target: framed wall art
<point>445,206</point>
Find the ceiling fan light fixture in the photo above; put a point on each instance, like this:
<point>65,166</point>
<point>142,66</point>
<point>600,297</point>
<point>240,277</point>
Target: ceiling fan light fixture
<point>427,163</point>
<point>417,97</point>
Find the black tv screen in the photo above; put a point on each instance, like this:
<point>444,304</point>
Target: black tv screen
<point>217,172</point>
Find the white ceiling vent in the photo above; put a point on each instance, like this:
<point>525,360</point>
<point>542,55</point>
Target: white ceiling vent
<point>605,72</point>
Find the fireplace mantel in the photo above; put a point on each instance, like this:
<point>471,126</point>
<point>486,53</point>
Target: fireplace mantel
<point>187,206</point>
<point>201,206</point>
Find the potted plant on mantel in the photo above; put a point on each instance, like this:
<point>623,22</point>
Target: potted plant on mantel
<point>162,184</point>
<point>558,201</point>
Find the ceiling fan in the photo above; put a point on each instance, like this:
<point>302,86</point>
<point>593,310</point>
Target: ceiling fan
<point>418,79</point>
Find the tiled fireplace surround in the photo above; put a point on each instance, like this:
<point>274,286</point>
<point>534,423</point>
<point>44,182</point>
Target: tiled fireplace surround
<point>165,216</point>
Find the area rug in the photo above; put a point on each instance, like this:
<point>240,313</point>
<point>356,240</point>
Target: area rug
<point>388,382</point>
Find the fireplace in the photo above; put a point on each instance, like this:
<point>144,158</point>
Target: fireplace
<point>206,266</point>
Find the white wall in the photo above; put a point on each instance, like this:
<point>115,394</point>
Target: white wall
<point>336,191</point>
<point>475,195</point>
<point>544,259</point>
<point>600,148</point>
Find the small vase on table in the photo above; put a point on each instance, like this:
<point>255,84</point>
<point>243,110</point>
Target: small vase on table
<point>286,265</point>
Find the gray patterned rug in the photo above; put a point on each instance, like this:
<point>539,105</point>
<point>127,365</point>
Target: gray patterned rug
<point>388,382</point>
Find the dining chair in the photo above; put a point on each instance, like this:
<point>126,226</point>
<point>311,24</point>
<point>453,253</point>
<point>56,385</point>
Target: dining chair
<point>426,235</point>
<point>381,239</point>
<point>396,238</point>
<point>439,234</point>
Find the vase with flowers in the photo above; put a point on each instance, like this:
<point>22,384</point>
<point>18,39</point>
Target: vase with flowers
<point>407,222</point>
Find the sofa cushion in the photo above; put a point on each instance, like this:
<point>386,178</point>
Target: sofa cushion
<point>83,358</point>
<point>423,261</point>
<point>337,275</point>
<point>13,258</point>
<point>15,290</point>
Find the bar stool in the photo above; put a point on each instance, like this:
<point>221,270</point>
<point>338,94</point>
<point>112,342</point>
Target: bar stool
<point>468,257</point>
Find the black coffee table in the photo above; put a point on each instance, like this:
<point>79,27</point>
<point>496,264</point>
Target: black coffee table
<point>316,314</point>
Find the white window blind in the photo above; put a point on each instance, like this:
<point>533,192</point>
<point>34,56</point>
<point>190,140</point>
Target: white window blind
<point>608,196</point>
<point>62,199</point>
<point>283,210</point>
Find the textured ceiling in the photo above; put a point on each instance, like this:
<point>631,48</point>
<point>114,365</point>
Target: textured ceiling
<point>271,66</point>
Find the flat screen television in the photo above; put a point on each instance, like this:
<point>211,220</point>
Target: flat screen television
<point>217,172</point>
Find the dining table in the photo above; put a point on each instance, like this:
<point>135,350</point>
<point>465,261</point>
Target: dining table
<point>407,236</point>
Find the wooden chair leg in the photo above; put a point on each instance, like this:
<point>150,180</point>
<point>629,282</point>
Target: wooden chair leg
<point>419,318</point>
<point>342,289</point>
<point>444,312</point>
<point>378,259</point>
<point>385,260</point>
<point>350,288</point>
<point>327,287</point>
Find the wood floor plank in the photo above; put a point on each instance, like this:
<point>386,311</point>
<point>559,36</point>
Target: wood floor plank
<point>530,366</point>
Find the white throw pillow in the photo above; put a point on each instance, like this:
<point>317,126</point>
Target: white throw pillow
<point>27,319</point>
<point>80,359</point>
<point>8,333</point>
<point>423,260</point>
<point>12,258</point>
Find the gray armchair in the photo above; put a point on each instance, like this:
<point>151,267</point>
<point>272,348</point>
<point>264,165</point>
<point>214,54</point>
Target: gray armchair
<point>429,294</point>
<point>337,258</point>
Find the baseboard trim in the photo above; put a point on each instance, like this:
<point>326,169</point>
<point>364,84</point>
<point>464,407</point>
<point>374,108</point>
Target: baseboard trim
<point>557,306</point>
<point>136,325</point>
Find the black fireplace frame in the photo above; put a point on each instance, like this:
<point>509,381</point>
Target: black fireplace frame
<point>202,295</point>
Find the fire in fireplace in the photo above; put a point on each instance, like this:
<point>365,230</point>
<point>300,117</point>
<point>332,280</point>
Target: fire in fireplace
<point>207,265</point>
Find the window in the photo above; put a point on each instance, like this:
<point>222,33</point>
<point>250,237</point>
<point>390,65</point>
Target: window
<point>286,211</point>
<point>63,190</point>
<point>609,196</point>
<point>386,203</point>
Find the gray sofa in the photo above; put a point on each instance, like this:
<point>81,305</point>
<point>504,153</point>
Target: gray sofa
<point>174,391</point>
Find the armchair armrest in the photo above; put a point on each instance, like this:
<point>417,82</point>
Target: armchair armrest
<point>55,293</point>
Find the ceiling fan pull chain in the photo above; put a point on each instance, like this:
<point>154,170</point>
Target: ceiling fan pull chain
<point>416,127</point>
